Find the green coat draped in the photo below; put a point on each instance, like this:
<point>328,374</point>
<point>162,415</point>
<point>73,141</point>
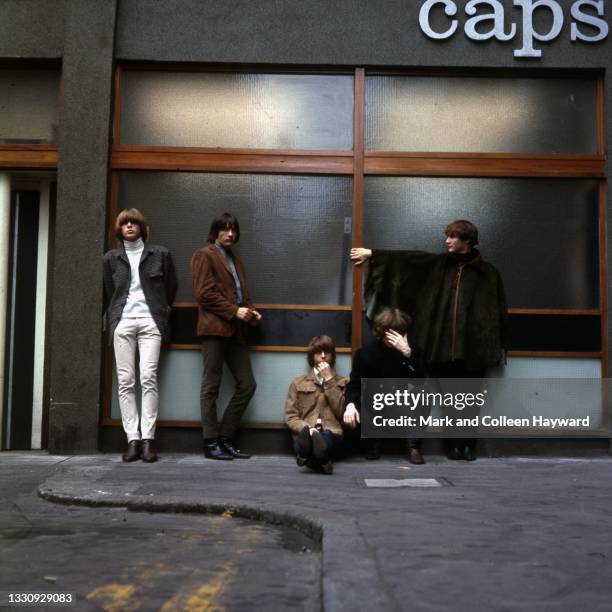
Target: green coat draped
<point>458,306</point>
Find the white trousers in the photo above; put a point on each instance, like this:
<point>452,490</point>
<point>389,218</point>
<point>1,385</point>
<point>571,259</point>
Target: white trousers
<point>129,334</point>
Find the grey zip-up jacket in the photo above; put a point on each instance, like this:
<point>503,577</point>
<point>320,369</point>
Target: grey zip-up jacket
<point>158,280</point>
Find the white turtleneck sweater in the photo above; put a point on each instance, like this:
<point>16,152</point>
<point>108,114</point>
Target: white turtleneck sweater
<point>136,305</point>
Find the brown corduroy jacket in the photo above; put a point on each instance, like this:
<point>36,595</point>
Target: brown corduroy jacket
<point>214,289</point>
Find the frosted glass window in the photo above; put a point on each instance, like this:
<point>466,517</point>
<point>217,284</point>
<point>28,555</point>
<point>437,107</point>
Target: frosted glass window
<point>295,230</point>
<point>514,115</point>
<point>540,234</point>
<point>29,102</point>
<point>278,111</point>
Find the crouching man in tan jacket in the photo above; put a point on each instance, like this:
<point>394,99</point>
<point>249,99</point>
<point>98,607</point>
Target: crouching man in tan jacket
<point>314,407</point>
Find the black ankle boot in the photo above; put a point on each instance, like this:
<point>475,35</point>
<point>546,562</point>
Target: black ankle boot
<point>212,450</point>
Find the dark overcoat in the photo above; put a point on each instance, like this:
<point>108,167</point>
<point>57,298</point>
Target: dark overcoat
<point>458,304</point>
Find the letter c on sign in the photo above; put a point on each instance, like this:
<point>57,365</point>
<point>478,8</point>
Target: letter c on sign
<point>450,8</point>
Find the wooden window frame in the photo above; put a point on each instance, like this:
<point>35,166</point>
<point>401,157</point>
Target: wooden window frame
<point>359,163</point>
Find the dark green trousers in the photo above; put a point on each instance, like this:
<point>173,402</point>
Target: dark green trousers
<point>234,352</point>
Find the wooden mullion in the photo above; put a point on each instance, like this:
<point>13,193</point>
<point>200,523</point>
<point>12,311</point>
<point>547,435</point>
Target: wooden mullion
<point>258,349</point>
<point>31,157</point>
<point>294,163</point>
<point>485,165</point>
<point>358,194</point>
<point>122,148</point>
<point>276,306</point>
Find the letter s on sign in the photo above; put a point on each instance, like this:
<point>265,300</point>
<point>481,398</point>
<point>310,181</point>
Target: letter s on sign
<point>450,8</point>
<point>597,23</point>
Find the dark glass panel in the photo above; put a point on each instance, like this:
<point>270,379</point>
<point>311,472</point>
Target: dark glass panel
<point>540,233</point>
<point>294,241</point>
<point>29,101</point>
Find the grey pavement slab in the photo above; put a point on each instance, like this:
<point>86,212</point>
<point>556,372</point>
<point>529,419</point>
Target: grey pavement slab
<point>499,534</point>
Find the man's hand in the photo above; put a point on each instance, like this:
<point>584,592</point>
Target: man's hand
<point>256,320</point>
<point>351,416</point>
<point>248,315</point>
<point>324,370</point>
<point>359,256</point>
<point>398,342</point>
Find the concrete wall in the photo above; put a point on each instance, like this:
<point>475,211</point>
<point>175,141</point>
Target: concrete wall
<point>351,32</point>
<point>76,302</point>
<point>31,28</point>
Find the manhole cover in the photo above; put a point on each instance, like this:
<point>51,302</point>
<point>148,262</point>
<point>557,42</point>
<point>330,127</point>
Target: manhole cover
<point>391,483</point>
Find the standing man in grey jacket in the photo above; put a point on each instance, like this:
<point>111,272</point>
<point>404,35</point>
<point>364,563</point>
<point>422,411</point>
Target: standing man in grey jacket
<point>140,286</point>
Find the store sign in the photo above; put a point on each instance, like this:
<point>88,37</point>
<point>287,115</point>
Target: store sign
<point>487,20</point>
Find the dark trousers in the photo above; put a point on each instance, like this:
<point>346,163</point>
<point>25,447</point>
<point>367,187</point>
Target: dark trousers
<point>332,441</point>
<point>217,350</point>
<point>457,369</point>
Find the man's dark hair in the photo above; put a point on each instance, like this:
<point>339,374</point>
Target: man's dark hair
<point>131,215</point>
<point>224,221</point>
<point>321,343</point>
<point>391,318</point>
<point>464,230</point>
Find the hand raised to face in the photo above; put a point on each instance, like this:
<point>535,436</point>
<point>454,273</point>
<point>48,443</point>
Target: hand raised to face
<point>398,342</point>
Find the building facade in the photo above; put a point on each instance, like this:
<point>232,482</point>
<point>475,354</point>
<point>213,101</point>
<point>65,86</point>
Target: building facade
<point>320,124</point>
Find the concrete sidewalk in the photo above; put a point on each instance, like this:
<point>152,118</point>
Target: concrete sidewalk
<point>496,534</point>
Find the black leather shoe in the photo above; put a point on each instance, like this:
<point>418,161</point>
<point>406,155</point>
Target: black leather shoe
<point>455,454</point>
<point>301,461</point>
<point>304,442</point>
<point>212,450</point>
<point>415,457</point>
<point>148,454</point>
<point>133,451</point>
<point>228,447</point>
<point>319,448</point>
<point>469,453</point>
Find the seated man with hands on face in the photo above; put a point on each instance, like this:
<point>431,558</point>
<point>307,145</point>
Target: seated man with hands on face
<point>389,355</point>
<point>314,407</point>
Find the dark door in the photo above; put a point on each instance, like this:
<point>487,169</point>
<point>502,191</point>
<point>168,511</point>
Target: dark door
<point>21,319</point>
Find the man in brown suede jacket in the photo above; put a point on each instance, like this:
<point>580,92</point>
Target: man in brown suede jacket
<point>224,311</point>
<point>314,407</point>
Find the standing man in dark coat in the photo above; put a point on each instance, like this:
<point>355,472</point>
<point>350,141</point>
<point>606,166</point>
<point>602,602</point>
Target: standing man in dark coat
<point>457,301</point>
<point>139,286</point>
<point>224,312</point>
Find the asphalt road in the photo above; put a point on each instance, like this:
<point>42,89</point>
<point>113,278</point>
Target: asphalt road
<point>113,559</point>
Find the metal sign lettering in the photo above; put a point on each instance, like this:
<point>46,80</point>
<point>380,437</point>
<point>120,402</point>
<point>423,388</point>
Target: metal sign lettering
<point>486,20</point>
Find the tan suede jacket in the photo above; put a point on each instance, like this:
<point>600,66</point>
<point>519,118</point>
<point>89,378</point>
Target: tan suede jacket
<point>214,289</point>
<point>307,401</point>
